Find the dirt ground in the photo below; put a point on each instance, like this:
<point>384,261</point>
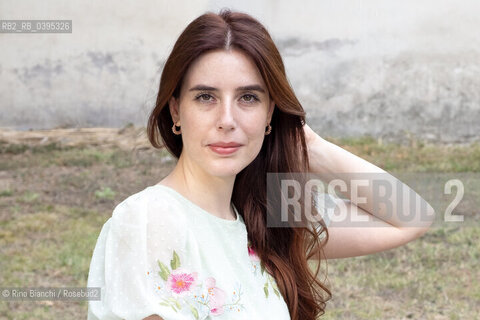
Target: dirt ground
<point>125,138</point>
<point>51,215</point>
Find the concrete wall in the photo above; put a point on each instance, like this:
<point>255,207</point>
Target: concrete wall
<point>386,68</point>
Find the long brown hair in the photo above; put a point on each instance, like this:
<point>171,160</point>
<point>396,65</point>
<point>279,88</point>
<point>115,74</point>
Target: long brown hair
<point>284,251</point>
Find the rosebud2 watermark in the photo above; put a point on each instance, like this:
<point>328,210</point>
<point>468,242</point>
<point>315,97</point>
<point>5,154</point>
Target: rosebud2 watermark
<point>291,198</point>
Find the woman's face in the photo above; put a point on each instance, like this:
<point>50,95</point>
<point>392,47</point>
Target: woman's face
<point>223,100</point>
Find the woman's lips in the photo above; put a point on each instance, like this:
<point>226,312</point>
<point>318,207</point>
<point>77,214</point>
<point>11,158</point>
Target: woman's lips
<point>223,150</point>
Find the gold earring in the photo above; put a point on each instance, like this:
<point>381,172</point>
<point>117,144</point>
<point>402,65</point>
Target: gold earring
<point>175,131</point>
<point>268,130</point>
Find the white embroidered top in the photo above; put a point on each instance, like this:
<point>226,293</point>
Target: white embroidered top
<point>162,254</point>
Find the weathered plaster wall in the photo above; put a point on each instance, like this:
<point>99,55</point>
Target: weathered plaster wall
<point>385,68</point>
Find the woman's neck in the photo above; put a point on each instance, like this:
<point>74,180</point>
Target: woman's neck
<point>213,194</point>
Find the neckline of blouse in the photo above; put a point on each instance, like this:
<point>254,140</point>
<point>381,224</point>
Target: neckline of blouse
<point>201,210</point>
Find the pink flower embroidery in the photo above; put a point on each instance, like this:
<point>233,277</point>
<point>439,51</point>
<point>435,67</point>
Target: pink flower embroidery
<point>183,289</point>
<point>253,254</point>
<point>180,281</point>
<point>216,297</point>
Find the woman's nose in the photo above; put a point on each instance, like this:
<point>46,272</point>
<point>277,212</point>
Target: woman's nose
<point>226,119</point>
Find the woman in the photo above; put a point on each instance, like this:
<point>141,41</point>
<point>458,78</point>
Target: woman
<point>198,244</point>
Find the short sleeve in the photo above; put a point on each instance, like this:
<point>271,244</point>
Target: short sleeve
<point>122,264</point>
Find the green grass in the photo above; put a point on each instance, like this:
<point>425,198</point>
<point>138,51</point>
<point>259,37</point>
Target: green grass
<point>68,157</point>
<point>419,157</point>
<point>425,278</point>
<point>59,198</point>
<point>51,248</point>
<point>105,193</point>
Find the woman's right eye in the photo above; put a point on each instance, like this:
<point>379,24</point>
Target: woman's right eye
<point>202,96</point>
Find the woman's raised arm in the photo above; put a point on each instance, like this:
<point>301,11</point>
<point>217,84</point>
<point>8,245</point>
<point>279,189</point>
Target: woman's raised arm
<point>364,227</point>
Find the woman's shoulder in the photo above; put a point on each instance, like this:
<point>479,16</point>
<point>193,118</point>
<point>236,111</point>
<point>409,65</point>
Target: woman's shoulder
<point>150,204</point>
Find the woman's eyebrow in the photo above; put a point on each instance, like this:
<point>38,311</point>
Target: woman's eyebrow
<point>253,87</point>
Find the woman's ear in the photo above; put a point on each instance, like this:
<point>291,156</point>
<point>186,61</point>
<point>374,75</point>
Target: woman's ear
<point>270,110</point>
<point>174,110</point>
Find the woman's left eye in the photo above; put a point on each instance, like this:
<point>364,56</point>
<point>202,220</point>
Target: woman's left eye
<point>250,98</point>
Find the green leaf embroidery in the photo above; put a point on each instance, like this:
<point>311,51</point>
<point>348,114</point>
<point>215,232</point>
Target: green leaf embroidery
<point>194,311</point>
<point>265,289</point>
<point>174,303</point>
<point>164,272</point>
<point>167,304</point>
<point>276,292</point>
<point>178,305</point>
<point>175,262</point>
<point>271,280</point>
<point>262,269</point>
